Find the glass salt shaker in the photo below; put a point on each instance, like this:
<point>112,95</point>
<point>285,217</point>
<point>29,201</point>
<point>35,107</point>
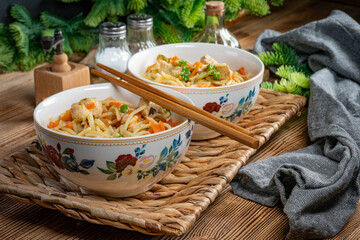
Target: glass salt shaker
<point>113,50</point>
<point>214,30</point>
<point>140,32</point>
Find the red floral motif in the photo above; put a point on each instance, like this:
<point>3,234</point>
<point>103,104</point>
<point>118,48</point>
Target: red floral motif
<point>211,107</point>
<point>123,161</point>
<point>54,156</point>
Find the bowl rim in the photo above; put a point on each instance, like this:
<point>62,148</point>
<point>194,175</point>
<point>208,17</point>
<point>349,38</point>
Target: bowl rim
<point>75,138</point>
<point>240,85</point>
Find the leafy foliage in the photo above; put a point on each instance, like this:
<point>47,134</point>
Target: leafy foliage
<point>174,21</point>
<point>295,77</point>
<point>77,37</point>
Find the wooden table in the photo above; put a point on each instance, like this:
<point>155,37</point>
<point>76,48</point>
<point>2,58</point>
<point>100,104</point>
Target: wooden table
<point>229,217</point>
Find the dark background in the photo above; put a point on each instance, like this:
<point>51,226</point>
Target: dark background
<point>35,7</point>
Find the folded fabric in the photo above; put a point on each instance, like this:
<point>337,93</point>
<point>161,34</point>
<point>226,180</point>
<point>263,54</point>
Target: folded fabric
<point>318,186</point>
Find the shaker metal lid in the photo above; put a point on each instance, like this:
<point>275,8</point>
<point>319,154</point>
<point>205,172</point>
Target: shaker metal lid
<point>140,20</point>
<point>112,28</point>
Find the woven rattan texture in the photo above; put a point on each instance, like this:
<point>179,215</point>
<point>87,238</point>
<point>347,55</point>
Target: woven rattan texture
<point>171,206</point>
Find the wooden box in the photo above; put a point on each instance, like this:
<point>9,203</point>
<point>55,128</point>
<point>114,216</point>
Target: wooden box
<point>48,83</point>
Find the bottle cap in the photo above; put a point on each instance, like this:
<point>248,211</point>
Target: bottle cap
<point>140,20</point>
<point>215,8</point>
<point>112,28</point>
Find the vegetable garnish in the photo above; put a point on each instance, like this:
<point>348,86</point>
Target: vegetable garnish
<point>212,70</point>
<point>124,108</point>
<point>185,74</point>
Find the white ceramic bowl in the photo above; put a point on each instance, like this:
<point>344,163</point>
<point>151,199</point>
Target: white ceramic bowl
<point>234,100</point>
<point>107,166</point>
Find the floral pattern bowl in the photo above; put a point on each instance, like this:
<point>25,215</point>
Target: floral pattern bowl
<point>115,167</point>
<point>228,102</point>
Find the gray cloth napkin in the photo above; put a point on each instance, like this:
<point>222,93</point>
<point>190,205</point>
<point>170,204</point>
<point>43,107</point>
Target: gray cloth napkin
<point>318,186</point>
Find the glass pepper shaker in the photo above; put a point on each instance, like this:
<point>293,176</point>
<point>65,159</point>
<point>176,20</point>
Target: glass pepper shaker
<point>140,32</point>
<point>113,50</point>
<point>214,30</point>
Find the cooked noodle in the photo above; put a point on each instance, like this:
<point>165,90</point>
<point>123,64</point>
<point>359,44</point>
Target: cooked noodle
<point>206,73</point>
<point>112,118</point>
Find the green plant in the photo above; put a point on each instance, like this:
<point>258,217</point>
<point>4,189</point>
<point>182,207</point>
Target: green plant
<point>26,33</point>
<point>77,37</point>
<point>294,76</point>
<point>174,21</point>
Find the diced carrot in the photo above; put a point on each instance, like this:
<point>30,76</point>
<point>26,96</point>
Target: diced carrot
<point>115,104</point>
<point>162,126</point>
<point>139,116</point>
<point>171,123</point>
<point>198,64</point>
<point>174,60</point>
<point>67,116</point>
<point>150,67</point>
<point>155,127</point>
<point>90,105</point>
<point>69,125</point>
<point>191,68</point>
<point>109,117</point>
<point>146,121</point>
<point>245,78</point>
<point>202,85</point>
<point>130,111</point>
<point>241,71</point>
<point>53,124</point>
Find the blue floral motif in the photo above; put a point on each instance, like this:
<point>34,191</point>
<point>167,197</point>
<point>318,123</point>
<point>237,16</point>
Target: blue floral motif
<point>70,163</point>
<point>140,151</point>
<point>65,159</point>
<point>168,157</point>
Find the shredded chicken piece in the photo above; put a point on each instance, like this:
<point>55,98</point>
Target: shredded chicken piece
<point>224,70</point>
<point>80,112</point>
<point>206,60</point>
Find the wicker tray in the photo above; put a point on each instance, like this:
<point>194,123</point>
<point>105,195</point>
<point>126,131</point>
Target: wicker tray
<point>172,206</point>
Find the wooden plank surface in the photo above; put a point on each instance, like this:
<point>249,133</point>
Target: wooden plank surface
<point>229,217</point>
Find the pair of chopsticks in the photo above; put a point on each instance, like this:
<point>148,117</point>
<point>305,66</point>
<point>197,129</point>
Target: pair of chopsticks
<point>177,105</point>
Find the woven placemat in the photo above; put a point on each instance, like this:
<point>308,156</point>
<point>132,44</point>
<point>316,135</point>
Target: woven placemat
<point>172,206</point>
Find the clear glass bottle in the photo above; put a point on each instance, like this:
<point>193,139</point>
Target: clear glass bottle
<point>113,50</point>
<point>140,32</point>
<point>214,30</point>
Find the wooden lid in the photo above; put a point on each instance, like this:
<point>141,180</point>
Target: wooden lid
<point>214,8</point>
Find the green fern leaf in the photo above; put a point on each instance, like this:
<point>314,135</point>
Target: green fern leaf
<point>256,7</point>
<point>172,19</point>
<point>232,5</point>
<point>81,43</point>
<point>117,8</point>
<point>20,34</point>
<point>191,12</point>
<point>276,3</point>
<point>300,79</point>
<point>280,86</point>
<point>35,56</point>
<point>292,87</point>
<point>6,53</point>
<point>50,20</point>
<point>306,94</point>
<point>136,5</point>
<point>21,14</point>
<point>267,85</point>
<point>167,33</point>
<point>97,13</point>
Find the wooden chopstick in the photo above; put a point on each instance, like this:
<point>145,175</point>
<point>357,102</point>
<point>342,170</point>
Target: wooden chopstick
<point>141,84</point>
<point>196,114</point>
